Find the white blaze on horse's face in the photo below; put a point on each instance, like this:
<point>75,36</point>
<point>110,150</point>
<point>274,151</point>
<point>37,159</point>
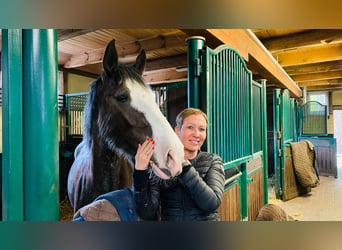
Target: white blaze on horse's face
<point>169,152</point>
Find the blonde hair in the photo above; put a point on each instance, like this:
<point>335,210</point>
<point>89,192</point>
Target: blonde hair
<point>187,112</point>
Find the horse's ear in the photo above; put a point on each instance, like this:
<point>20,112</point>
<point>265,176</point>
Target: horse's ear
<point>140,62</point>
<point>110,59</point>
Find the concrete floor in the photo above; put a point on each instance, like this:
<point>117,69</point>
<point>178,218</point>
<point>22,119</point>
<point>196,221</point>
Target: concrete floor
<point>323,203</point>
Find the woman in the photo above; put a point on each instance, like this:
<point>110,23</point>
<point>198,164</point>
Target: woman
<point>196,193</point>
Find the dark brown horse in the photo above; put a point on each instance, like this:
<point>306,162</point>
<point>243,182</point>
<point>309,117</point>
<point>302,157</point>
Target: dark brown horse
<point>119,114</point>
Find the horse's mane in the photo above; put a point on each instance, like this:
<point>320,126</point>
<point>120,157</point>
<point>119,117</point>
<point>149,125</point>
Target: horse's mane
<point>90,111</point>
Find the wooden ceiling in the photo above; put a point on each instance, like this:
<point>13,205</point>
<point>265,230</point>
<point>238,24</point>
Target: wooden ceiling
<point>311,57</point>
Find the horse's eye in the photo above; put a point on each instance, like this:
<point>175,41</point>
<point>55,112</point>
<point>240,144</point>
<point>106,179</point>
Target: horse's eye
<point>122,98</point>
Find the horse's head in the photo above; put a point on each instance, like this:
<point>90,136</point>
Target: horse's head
<point>123,113</point>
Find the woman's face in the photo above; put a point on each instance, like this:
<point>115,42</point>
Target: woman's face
<point>193,132</point>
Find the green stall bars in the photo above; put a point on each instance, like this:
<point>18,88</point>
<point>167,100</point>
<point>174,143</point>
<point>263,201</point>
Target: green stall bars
<point>221,85</point>
<point>285,121</point>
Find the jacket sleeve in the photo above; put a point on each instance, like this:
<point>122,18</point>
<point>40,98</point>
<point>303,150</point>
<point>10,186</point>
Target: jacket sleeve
<point>208,191</point>
<point>146,194</point>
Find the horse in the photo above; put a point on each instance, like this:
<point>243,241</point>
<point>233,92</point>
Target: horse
<point>119,114</point>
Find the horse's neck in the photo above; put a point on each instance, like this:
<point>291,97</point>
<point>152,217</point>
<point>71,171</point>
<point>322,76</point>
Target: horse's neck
<point>109,167</point>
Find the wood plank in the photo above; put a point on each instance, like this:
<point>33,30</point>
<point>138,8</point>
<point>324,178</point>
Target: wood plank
<point>320,82</point>
<point>310,55</point>
<point>315,67</point>
<point>167,62</point>
<point>165,76</point>
<point>316,37</point>
<point>317,76</point>
<point>325,87</point>
<point>230,207</point>
<point>64,34</point>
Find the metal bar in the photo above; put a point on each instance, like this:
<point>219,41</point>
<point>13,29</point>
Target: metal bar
<point>41,184</point>
<point>12,130</point>
<point>230,182</point>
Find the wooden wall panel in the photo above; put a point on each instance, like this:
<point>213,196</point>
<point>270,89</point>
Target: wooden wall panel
<point>230,205</point>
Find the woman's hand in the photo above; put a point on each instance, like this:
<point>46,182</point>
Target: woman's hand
<point>144,154</point>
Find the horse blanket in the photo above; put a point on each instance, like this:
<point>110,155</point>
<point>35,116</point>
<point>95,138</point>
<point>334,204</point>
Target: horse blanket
<point>118,205</point>
<point>303,157</point>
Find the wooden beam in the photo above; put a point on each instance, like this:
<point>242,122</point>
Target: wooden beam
<point>64,34</point>
<point>87,57</point>
<point>309,55</point>
<point>167,62</point>
<point>320,82</point>
<point>252,50</point>
<point>310,38</point>
<point>325,88</point>
<point>317,76</point>
<point>315,67</point>
<point>165,76</point>
<point>78,72</point>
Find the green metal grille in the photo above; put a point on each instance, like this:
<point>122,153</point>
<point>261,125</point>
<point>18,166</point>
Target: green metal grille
<point>288,116</point>
<point>161,95</point>
<point>161,98</point>
<point>314,118</point>
<point>75,105</point>
<point>228,86</point>
<point>257,116</point>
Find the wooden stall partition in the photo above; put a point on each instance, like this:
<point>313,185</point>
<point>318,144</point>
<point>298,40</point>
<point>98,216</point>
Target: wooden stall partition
<point>291,187</point>
<point>325,150</point>
<point>255,194</point>
<point>230,207</point>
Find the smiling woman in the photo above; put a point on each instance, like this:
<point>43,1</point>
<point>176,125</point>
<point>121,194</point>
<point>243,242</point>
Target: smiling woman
<point>193,195</point>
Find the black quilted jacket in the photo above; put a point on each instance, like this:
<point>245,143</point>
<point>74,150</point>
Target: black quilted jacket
<point>193,195</point>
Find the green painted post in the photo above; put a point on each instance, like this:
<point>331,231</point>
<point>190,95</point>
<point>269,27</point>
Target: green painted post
<point>12,131</point>
<point>243,192</point>
<point>195,44</point>
<point>277,141</point>
<point>284,97</point>
<point>41,185</point>
<point>264,141</point>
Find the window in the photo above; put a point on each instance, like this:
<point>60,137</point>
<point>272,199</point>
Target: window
<point>321,97</point>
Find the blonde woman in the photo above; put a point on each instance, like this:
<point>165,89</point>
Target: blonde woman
<point>196,193</point>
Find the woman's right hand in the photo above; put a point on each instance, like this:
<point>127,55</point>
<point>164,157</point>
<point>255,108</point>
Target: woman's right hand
<point>144,154</point>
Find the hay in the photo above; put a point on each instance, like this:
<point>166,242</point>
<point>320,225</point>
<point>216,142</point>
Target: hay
<point>66,212</point>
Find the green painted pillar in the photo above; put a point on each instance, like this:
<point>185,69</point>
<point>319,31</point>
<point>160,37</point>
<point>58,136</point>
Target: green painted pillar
<point>12,120</point>
<point>277,142</point>
<point>195,44</point>
<point>264,141</point>
<point>243,192</point>
<point>41,185</point>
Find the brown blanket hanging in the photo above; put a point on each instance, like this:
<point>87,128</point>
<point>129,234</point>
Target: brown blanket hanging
<point>303,157</point>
